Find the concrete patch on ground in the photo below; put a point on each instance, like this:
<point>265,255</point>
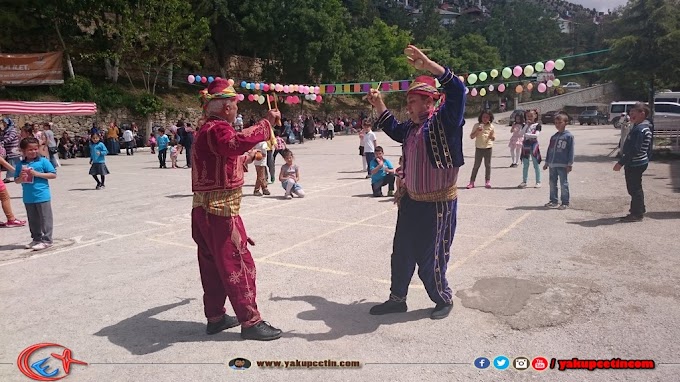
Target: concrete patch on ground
<point>18,251</point>
<point>611,205</point>
<point>524,304</point>
<point>613,253</point>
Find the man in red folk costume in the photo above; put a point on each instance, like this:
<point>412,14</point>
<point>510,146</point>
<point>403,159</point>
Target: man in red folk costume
<point>226,265</point>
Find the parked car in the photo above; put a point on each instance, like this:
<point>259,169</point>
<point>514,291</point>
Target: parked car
<point>592,117</point>
<point>549,117</point>
<point>514,113</point>
<point>667,117</point>
<point>572,85</point>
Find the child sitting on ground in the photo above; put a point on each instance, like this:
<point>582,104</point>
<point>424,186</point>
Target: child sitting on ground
<point>290,176</point>
<point>174,153</point>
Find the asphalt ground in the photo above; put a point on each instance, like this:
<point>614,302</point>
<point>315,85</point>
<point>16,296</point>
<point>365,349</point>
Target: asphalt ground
<point>121,287</point>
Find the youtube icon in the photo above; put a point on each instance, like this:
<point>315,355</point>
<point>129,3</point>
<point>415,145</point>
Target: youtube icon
<point>539,363</point>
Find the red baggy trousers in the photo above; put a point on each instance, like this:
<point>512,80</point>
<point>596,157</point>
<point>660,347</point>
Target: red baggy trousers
<point>226,265</point>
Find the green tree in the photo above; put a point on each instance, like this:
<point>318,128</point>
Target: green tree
<point>429,23</point>
<point>522,32</point>
<point>164,34</point>
<point>646,51</point>
<point>377,53</point>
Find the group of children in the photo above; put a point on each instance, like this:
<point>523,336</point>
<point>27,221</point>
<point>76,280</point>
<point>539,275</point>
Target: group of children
<point>524,146</point>
<point>264,156</point>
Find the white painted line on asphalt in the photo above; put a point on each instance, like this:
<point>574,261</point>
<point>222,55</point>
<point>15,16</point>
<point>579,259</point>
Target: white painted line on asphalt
<point>391,227</point>
<point>291,265</point>
<point>77,247</point>
<point>347,225</point>
<point>157,223</point>
<point>497,236</point>
<point>110,234</point>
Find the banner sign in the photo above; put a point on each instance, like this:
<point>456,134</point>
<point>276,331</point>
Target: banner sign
<point>31,69</point>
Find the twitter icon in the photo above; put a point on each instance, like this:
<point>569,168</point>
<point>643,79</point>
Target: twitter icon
<point>501,362</point>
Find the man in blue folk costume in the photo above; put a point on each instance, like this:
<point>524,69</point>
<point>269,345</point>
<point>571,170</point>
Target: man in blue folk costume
<point>432,142</point>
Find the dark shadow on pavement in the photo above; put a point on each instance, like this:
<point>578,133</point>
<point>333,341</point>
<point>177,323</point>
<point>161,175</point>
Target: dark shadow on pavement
<point>365,196</point>
<point>663,215</point>
<point>496,188</point>
<point>11,247</point>
<point>346,319</point>
<point>597,222</point>
<point>528,208</point>
<point>83,189</point>
<point>595,159</point>
<point>363,177</point>
<point>143,334</point>
<point>177,196</point>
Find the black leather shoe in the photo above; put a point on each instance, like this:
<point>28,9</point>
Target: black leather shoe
<point>225,323</point>
<point>262,331</point>
<point>441,311</point>
<point>388,307</point>
<point>630,218</point>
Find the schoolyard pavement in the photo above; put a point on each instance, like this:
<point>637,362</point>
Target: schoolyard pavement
<point>121,287</point>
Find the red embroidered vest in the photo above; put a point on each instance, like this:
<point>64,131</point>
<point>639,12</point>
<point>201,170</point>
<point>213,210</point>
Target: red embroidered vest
<point>216,158</point>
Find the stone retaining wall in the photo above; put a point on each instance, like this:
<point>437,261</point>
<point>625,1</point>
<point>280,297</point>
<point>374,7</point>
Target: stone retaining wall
<point>80,125</point>
<point>573,98</point>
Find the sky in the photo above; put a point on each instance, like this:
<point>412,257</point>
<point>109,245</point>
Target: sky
<point>600,5</point>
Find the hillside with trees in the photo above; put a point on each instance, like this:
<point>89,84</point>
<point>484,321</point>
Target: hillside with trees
<point>130,52</point>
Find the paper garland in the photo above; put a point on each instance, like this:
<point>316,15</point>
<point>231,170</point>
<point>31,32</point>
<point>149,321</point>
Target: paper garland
<point>315,92</point>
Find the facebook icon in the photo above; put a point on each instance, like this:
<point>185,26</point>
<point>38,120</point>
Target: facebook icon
<point>482,363</point>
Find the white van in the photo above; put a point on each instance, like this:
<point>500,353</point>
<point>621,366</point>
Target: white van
<point>617,108</point>
<point>667,97</point>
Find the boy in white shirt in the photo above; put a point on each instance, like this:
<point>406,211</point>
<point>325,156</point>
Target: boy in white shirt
<point>370,143</point>
<point>260,163</point>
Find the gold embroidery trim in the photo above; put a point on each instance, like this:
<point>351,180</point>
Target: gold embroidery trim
<point>219,203</point>
<point>447,194</point>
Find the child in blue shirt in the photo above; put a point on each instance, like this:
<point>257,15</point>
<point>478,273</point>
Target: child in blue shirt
<point>32,173</point>
<point>560,158</point>
<point>98,154</point>
<point>162,142</point>
<point>382,173</point>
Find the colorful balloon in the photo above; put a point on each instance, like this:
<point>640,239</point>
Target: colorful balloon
<point>229,81</point>
<point>191,78</point>
<point>530,86</point>
<point>473,92</point>
<point>507,72</point>
<point>260,100</point>
<point>556,81</point>
<point>501,88</point>
<point>482,76</point>
<point>482,92</point>
<point>519,89</point>
<point>266,87</point>
<point>319,98</point>
<point>243,84</point>
<point>197,78</point>
<point>250,97</point>
<point>549,83</point>
<point>559,64</point>
<point>494,73</point>
<point>211,79</point>
<point>467,90</point>
<point>528,70</point>
<point>240,97</point>
<point>517,71</point>
<point>542,88</point>
<point>472,78</point>
<point>462,79</point>
<point>539,66</point>
<point>549,66</point>
<point>204,80</point>
<point>491,88</point>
